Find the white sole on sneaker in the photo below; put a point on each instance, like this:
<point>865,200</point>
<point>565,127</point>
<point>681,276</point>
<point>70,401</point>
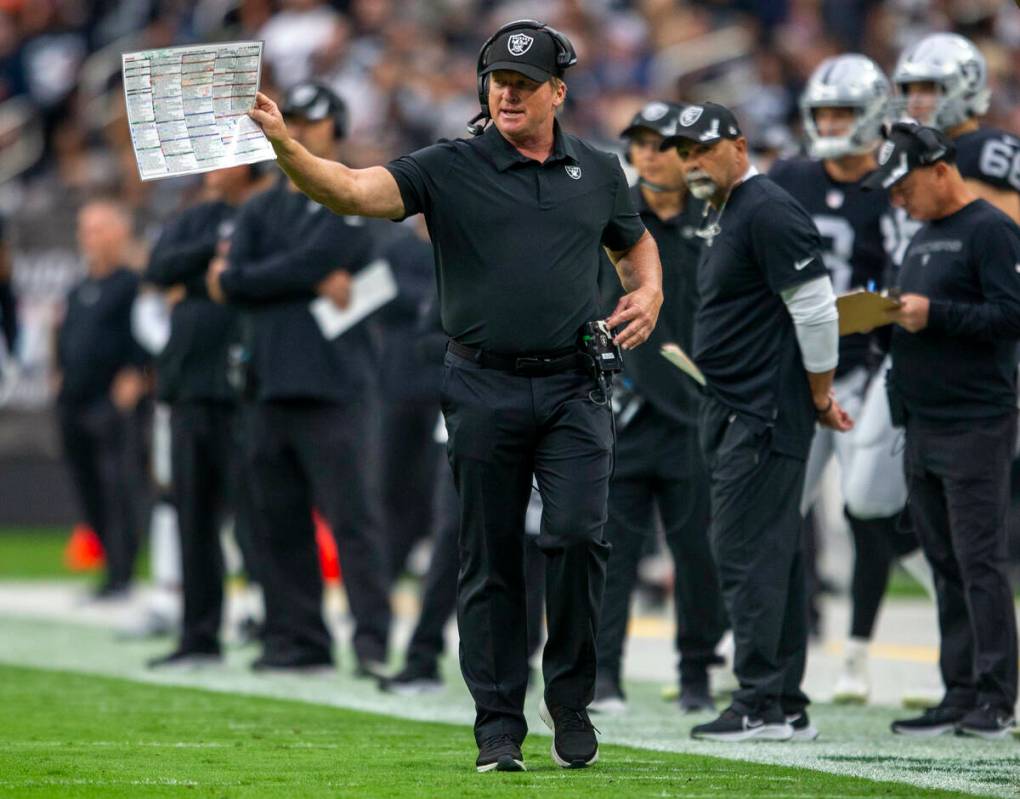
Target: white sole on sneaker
<point>414,689</point>
<point>543,713</point>
<point>809,733</point>
<point>988,735</point>
<point>610,706</point>
<point>767,732</point>
<point>927,732</point>
<point>508,764</point>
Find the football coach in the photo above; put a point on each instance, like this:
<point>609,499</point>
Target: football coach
<point>766,338</point>
<point>517,215</point>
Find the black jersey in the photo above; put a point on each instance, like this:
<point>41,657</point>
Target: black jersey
<point>990,156</point>
<point>744,340</point>
<point>857,230</point>
<point>963,364</point>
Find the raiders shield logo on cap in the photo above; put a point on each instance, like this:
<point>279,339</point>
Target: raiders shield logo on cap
<point>519,43</point>
<point>654,111</point>
<point>885,152</point>
<point>691,115</point>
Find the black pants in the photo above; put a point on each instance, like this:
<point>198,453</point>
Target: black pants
<point>505,430</point>
<point>958,481</point>
<point>756,540</point>
<point>439,588</point>
<point>104,451</point>
<point>408,474</point>
<point>205,469</point>
<point>300,454</point>
<point>659,466</point>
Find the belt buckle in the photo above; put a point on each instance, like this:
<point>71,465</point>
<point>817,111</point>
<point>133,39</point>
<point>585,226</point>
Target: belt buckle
<point>529,364</point>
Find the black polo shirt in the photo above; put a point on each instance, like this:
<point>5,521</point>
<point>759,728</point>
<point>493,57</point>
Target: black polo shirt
<point>744,338</point>
<point>517,242</point>
<point>654,378</point>
<point>963,364</point>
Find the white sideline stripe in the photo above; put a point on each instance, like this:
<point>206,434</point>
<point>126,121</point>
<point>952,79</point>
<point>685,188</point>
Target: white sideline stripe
<point>849,746</point>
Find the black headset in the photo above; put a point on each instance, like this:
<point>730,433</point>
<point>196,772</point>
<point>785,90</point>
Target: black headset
<point>937,146</point>
<point>566,56</point>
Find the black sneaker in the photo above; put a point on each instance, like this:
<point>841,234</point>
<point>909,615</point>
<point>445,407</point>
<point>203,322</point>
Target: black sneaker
<point>988,722</point>
<point>803,729</point>
<point>574,743</point>
<point>413,680</point>
<point>294,664</point>
<point>186,659</point>
<point>499,753</point>
<point>696,698</point>
<point>934,721</point>
<point>739,725</point>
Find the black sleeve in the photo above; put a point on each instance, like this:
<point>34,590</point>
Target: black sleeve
<point>997,262</point>
<point>296,273</point>
<point>179,255</point>
<point>786,244</point>
<point>415,175</point>
<point>625,226</point>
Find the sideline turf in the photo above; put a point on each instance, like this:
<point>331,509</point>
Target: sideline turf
<point>34,553</point>
<point>73,735</point>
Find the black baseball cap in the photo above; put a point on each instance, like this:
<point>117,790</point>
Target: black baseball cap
<point>530,51</point>
<point>656,116</point>
<point>705,123</point>
<point>908,146</point>
<point>311,101</point>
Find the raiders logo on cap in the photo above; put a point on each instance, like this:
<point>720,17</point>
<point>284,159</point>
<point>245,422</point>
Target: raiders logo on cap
<point>654,111</point>
<point>885,152</point>
<point>519,43</point>
<point>691,115</point>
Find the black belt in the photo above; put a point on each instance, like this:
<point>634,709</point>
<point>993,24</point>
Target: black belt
<point>524,365</point>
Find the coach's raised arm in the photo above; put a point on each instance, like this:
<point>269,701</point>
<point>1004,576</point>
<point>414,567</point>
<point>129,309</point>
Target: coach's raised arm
<point>518,214</point>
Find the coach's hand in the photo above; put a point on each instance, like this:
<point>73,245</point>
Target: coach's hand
<point>831,415</point>
<point>336,286</point>
<point>640,310</point>
<point>912,315</point>
<point>266,114</point>
<point>217,266</point>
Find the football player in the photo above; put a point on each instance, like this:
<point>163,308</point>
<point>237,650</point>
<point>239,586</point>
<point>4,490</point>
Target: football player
<point>844,105</point>
<point>943,82</point>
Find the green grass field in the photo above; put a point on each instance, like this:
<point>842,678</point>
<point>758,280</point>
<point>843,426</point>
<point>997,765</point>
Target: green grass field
<point>73,735</point>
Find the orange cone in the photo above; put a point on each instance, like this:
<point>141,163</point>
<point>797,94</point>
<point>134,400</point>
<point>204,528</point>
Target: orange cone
<point>83,552</point>
<point>329,557</point>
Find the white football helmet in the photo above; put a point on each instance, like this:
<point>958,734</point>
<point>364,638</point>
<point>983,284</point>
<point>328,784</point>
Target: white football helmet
<point>956,67</point>
<point>846,81</point>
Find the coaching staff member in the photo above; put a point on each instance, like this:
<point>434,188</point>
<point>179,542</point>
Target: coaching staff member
<point>658,460</point>
<point>306,431</point>
<point>766,339</point>
<point>517,216</point>
<point>954,380</point>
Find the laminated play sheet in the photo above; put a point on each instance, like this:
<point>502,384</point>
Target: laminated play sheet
<point>187,108</point>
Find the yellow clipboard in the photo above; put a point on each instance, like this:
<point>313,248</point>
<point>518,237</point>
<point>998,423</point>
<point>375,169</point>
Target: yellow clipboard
<point>861,311</point>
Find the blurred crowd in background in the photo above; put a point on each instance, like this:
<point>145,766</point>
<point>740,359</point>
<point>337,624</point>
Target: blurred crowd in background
<point>407,72</point>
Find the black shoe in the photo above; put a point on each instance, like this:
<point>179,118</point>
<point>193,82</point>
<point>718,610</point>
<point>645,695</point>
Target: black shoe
<point>293,664</point>
<point>803,729</point>
<point>735,725</point>
<point>574,743</point>
<point>413,680</point>
<point>934,721</point>
<point>609,698</point>
<point>696,698</point>
<point>186,659</point>
<point>987,722</point>
<point>500,753</point>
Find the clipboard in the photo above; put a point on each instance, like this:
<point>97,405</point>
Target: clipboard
<point>682,361</point>
<point>371,288</point>
<point>862,311</point>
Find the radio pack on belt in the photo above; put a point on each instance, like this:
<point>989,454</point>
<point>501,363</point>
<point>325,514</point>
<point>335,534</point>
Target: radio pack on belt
<point>597,343</point>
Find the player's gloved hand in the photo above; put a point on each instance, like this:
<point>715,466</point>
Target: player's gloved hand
<point>266,114</point>
<point>640,310</point>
